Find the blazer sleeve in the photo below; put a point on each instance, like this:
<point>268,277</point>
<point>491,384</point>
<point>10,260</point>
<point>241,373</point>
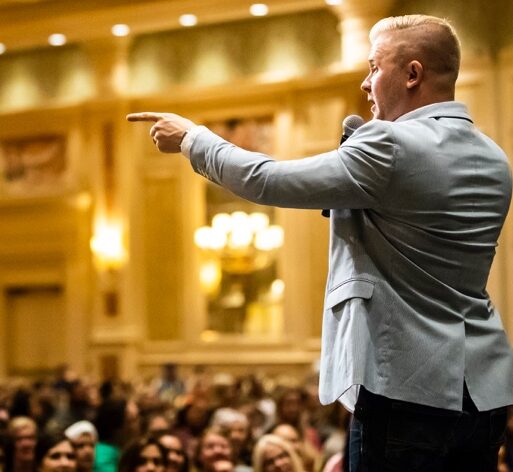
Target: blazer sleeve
<point>356,175</point>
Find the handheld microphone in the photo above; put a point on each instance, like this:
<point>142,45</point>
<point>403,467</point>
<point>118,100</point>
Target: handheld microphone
<point>350,124</point>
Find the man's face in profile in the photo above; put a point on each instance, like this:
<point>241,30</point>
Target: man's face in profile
<point>385,85</point>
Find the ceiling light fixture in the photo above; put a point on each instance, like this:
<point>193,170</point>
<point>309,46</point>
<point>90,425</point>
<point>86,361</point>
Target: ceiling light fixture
<point>57,39</point>
<point>188,20</point>
<point>259,9</point>
<point>120,30</point>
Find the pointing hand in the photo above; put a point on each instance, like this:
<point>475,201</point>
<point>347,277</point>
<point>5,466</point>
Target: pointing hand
<point>167,131</point>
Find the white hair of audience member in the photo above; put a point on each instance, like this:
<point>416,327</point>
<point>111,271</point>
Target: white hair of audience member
<point>81,427</point>
<point>227,416</point>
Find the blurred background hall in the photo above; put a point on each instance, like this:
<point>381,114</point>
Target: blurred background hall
<point>134,293</point>
<point>115,259</point>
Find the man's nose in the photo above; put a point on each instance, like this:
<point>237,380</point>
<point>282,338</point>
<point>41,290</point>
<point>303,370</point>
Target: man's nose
<point>365,86</point>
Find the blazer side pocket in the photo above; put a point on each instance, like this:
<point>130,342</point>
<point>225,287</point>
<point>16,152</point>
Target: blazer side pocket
<point>353,288</point>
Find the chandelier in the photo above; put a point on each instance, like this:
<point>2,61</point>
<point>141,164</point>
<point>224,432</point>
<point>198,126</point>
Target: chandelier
<point>241,242</point>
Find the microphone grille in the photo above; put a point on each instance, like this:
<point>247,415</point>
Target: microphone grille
<point>351,123</point>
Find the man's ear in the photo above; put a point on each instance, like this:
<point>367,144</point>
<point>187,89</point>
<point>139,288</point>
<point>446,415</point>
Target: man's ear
<point>415,74</point>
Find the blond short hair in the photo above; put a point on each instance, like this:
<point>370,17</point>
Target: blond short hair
<point>435,39</point>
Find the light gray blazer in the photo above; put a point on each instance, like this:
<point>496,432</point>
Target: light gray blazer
<point>416,209</point>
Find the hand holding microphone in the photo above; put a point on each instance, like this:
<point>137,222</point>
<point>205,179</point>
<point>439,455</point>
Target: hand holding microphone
<point>350,124</point>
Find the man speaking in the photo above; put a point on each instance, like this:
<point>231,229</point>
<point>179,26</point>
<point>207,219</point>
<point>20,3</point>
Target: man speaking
<point>418,197</point>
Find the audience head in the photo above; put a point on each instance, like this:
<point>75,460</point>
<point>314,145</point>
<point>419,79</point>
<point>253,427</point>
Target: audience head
<point>55,453</point>
<point>213,446</point>
<point>156,424</point>
<point>236,425</point>
<point>84,437</point>
<point>143,455</point>
<point>274,454</point>
<point>289,407</point>
<point>290,434</point>
<point>116,420</point>
<point>177,460</point>
<point>22,431</point>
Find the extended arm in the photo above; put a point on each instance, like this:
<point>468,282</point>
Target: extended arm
<point>355,175</point>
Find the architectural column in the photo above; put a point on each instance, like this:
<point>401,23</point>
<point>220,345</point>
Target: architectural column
<point>116,329</point>
<point>356,19</point>
<point>109,63</point>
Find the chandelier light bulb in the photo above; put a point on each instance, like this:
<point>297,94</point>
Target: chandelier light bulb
<point>258,221</point>
<point>222,222</point>
<point>240,238</point>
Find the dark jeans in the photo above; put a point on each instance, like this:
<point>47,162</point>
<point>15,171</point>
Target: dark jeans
<point>405,437</point>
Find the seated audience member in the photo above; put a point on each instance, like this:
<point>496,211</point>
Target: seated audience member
<point>156,424</point>
<point>115,419</point>
<point>55,453</point>
<point>305,451</point>
<point>2,452</point>
<point>177,460</point>
<point>169,386</point>
<point>291,409</point>
<point>213,446</point>
<point>236,424</point>
<point>22,437</point>
<point>143,455</point>
<point>84,437</point>
<point>4,418</point>
<point>274,454</point>
<point>191,421</point>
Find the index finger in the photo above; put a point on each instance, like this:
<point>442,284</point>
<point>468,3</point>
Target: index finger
<point>145,116</point>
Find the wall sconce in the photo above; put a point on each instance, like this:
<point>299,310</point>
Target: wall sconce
<point>242,243</point>
<point>109,255</point>
<point>107,246</point>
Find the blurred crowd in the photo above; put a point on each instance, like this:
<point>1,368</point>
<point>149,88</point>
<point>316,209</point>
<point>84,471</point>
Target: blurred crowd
<point>206,421</point>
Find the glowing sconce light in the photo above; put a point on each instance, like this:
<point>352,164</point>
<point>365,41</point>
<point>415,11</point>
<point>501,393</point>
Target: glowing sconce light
<point>107,245</point>
<point>210,276</point>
